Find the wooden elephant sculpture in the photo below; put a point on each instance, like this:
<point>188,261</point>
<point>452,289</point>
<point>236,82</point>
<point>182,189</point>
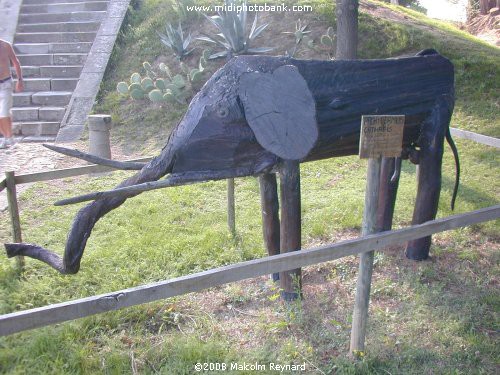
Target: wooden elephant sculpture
<point>259,115</point>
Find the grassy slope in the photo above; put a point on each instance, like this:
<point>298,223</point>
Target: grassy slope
<point>433,317</point>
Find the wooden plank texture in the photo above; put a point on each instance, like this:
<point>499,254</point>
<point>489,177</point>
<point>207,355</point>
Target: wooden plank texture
<point>479,138</point>
<point>61,312</point>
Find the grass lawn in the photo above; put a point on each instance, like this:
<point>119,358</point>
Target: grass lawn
<point>434,317</point>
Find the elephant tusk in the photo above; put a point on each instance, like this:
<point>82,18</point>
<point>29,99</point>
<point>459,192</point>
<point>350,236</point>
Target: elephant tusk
<point>127,165</point>
<point>175,179</point>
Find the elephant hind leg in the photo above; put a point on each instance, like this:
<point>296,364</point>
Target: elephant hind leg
<point>429,173</point>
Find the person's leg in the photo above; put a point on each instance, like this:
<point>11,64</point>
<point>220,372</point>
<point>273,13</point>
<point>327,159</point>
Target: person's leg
<point>6,127</point>
<point>3,126</point>
<point>5,115</point>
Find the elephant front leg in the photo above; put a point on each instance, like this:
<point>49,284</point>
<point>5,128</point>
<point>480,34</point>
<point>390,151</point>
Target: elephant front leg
<point>429,173</point>
<point>389,181</point>
<point>270,215</point>
<point>290,231</point>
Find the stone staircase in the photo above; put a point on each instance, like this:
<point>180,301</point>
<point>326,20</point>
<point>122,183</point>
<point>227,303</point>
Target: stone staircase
<point>52,41</point>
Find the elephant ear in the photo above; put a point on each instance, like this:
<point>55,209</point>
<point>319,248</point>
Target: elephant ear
<point>281,111</point>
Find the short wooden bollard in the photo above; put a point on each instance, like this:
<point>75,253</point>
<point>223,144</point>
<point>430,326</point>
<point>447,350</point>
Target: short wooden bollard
<point>290,229</point>
<point>10,184</point>
<point>270,215</point>
<point>231,206</point>
<point>99,127</point>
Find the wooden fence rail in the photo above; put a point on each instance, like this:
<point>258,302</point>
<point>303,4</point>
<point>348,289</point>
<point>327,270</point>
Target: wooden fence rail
<point>479,138</point>
<point>61,312</point>
<point>64,173</point>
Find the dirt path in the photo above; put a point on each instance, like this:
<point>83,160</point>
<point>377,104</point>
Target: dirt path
<point>26,158</point>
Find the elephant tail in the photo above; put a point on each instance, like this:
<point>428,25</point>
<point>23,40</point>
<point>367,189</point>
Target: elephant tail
<point>87,217</point>
<point>450,141</point>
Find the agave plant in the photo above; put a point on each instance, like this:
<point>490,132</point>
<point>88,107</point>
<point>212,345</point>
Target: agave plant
<point>232,26</point>
<point>174,39</point>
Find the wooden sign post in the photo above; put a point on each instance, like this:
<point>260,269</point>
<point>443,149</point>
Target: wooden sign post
<point>381,136</point>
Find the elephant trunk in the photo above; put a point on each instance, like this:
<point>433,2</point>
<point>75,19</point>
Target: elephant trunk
<point>88,216</point>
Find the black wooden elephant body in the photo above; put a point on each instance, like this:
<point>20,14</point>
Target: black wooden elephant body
<point>257,111</point>
<point>220,138</point>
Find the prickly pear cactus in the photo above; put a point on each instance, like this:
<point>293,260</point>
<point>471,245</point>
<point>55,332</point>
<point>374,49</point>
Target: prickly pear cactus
<point>135,78</point>
<point>159,85</point>
<point>156,96</point>
<point>137,94</point>
<point>147,84</point>
<point>122,88</point>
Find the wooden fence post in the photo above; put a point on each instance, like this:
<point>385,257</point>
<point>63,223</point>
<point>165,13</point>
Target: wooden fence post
<point>380,136</point>
<point>231,214</point>
<point>270,215</point>
<point>361,303</point>
<point>10,183</point>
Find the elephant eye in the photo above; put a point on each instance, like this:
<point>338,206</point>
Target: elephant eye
<point>222,112</point>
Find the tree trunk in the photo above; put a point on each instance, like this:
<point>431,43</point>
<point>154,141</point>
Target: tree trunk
<point>347,29</point>
<point>484,6</point>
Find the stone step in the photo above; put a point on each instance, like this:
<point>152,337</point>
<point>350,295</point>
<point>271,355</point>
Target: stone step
<point>22,99</point>
<point>38,59</point>
<point>64,7</point>
<point>69,58</point>
<point>52,59</point>
<point>35,114</point>
<point>43,48</point>
<point>54,37</point>
<point>25,114</point>
<point>38,128</point>
<point>61,71</point>
<point>61,17</point>
<point>37,84</point>
<point>63,84</point>
<point>50,84</point>
<point>41,98</point>
<point>39,139</point>
<point>51,113</point>
<point>51,98</point>
<point>58,26</point>
<point>29,71</point>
